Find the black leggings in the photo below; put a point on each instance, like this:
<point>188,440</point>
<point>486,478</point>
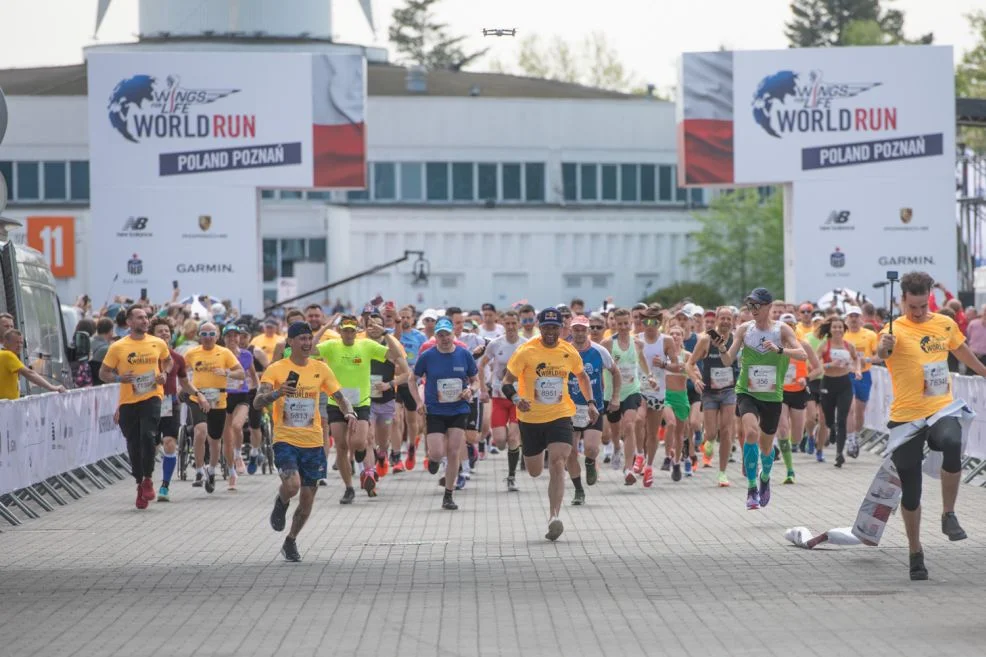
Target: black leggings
<point>943,436</point>
<point>837,396</point>
<point>139,424</point>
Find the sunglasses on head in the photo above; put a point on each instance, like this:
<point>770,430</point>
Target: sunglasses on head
<point>207,334</point>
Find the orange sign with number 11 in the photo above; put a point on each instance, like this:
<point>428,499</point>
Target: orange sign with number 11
<point>55,238</point>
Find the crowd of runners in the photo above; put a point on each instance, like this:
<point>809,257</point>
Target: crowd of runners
<point>647,391</point>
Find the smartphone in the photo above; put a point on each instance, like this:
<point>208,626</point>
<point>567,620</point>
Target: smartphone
<point>892,276</point>
<point>85,299</point>
<point>143,293</point>
<point>174,285</point>
<point>713,335</point>
<point>292,379</point>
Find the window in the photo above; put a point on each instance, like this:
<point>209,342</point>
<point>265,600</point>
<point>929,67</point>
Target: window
<point>487,182</point>
<point>317,249</point>
<point>79,184</point>
<point>534,181</point>
<point>55,188</point>
<point>264,193</point>
<point>572,280</point>
<point>569,181</point>
<point>290,195</point>
<point>322,195</point>
<point>384,181</point>
<point>270,260</point>
<point>7,171</point>
<point>628,182</point>
<point>411,181</point>
<point>437,175</point>
<point>681,194</point>
<point>28,181</point>
<point>697,196</point>
<point>600,281</point>
<point>449,281</point>
<point>609,182</point>
<point>270,297</point>
<point>664,186</point>
<point>355,195</point>
<point>462,181</point>
<point>647,192</point>
<point>511,182</point>
<point>588,179</point>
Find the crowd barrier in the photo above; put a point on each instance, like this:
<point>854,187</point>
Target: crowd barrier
<point>51,444</point>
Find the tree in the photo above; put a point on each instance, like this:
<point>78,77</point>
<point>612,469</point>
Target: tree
<point>970,78</point>
<point>818,23</point>
<point>741,243</point>
<point>700,293</point>
<point>421,40</point>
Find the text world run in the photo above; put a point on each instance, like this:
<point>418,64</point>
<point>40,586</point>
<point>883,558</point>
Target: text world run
<point>183,126</point>
<point>872,119</point>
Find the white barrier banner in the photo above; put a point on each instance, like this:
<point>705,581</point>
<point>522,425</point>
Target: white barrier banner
<point>971,389</point>
<point>45,435</point>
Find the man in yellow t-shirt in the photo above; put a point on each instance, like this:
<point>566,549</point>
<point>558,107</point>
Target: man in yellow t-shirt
<point>804,326</point>
<point>865,341</point>
<point>915,348</point>
<point>541,368</point>
<point>139,363</point>
<point>267,340</point>
<point>212,369</point>
<point>294,385</point>
<point>11,368</point>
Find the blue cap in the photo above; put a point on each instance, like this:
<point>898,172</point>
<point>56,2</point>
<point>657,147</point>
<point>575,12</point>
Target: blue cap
<point>298,328</point>
<point>549,317</point>
<point>760,295</point>
<point>444,324</point>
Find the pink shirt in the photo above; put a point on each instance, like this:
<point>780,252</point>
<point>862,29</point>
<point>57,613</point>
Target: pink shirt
<point>976,335</point>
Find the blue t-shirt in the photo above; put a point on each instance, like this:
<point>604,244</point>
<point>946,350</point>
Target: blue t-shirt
<point>448,372</point>
<point>412,340</point>
<point>595,360</point>
<point>689,345</point>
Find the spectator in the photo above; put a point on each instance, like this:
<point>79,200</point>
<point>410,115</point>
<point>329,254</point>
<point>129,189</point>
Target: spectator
<point>6,323</point>
<point>189,337</point>
<point>122,330</point>
<point>871,319</point>
<point>81,371</point>
<point>11,367</point>
<point>976,334</point>
<point>956,307</point>
<point>100,343</point>
<point>953,362</point>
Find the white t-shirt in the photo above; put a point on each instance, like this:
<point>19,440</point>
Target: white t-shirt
<point>500,351</point>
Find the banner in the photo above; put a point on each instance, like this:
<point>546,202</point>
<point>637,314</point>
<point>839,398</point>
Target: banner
<point>45,435</point>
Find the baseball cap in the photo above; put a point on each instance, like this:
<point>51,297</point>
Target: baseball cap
<point>788,318</point>
<point>760,295</point>
<point>429,313</point>
<point>271,321</point>
<point>853,310</point>
<point>444,324</point>
<point>697,310</point>
<point>549,317</point>
<point>298,328</point>
<point>688,309</point>
<point>348,323</point>
<point>710,313</point>
<point>817,315</point>
<point>232,328</point>
<point>580,320</point>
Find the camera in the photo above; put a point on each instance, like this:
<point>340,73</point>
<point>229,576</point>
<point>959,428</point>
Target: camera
<point>892,276</point>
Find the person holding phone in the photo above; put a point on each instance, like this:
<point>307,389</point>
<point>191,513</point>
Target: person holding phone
<point>293,385</point>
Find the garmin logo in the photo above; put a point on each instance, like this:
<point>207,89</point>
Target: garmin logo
<point>204,268</point>
<point>906,260</point>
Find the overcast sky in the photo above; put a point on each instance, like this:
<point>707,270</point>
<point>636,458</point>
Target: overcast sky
<point>649,34</point>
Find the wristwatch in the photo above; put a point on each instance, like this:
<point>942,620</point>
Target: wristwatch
<point>780,349</point>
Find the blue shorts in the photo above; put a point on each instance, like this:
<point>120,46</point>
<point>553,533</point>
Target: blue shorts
<point>861,388</point>
<point>309,462</point>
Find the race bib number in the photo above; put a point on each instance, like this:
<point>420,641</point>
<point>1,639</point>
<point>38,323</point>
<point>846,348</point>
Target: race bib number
<point>167,406</point>
<point>721,377</point>
<point>841,356</point>
<point>211,395</point>
<point>374,380</point>
<point>791,374</point>
<point>144,383</point>
<point>352,395</point>
<point>936,379</point>
<point>449,390</point>
<point>298,412</point>
<point>581,417</point>
<point>762,378</point>
<point>548,389</point>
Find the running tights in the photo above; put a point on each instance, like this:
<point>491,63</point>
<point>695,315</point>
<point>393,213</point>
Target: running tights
<point>836,399</point>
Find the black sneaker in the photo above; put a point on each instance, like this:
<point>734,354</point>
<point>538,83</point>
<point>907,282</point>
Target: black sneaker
<point>918,571</point>
<point>591,475</point>
<point>290,550</point>
<point>210,482</point>
<point>448,503</point>
<point>279,515</point>
<point>348,496</point>
<point>198,480</point>
<point>675,472</point>
<point>839,460</point>
<point>950,527</point>
<point>579,499</point>
<point>666,465</point>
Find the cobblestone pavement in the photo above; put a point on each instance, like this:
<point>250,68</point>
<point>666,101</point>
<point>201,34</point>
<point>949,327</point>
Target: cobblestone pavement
<point>680,569</point>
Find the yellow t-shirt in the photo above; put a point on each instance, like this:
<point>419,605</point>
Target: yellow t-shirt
<point>10,366</point>
<point>919,366</point>
<point>142,358</point>
<point>329,335</point>
<point>296,419</point>
<point>266,344</point>
<point>542,375</point>
<point>200,363</point>
<point>865,341</point>
<point>801,330</point>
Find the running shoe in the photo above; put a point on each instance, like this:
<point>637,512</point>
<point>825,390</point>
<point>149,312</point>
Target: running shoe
<point>694,461</point>
<point>162,494</point>
<point>811,444</point>
<point>819,456</point>
<point>688,467</point>
<point>764,493</point>
<point>638,463</point>
<point>579,498</point>
<point>666,465</point>
<point>141,502</point>
<point>512,485</point>
<point>368,481</point>
<point>473,455</point>
<point>323,482</point>
<point>707,448</point>
<point>409,461</point>
<point>789,479</point>
<point>290,550</point>
<point>147,489</point>
<point>493,450</point>
<point>752,499</point>
<point>591,475</point>
<point>706,460</point>
<point>252,464</point>
<point>448,503</point>
<point>629,478</point>
<point>231,482</point>
<point>240,466</point>
<point>278,517</point>
<point>607,453</point>
<point>919,572</point>
<point>398,467</point>
<point>555,529</point>
<point>210,481</point>
<point>348,496</point>
<point>839,460</point>
<point>676,472</point>
<point>722,480</point>
<point>950,527</point>
<point>852,449</point>
<point>382,468</point>
<point>460,481</point>
<point>803,444</point>
<point>198,480</point>
<point>616,462</point>
<point>648,477</point>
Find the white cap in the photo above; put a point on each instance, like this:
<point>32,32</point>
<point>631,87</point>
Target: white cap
<point>698,310</point>
<point>788,318</point>
<point>430,313</point>
<point>853,310</point>
<point>688,309</point>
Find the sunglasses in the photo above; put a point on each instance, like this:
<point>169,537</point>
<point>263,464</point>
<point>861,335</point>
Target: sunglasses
<point>650,322</point>
<point>527,321</point>
<point>597,327</point>
<point>805,312</point>
<point>754,307</point>
<point>208,334</point>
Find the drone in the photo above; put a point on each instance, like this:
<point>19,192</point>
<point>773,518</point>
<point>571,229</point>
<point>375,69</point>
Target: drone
<point>499,31</point>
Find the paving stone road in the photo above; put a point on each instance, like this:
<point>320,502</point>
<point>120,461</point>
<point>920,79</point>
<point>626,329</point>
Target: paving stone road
<point>680,569</point>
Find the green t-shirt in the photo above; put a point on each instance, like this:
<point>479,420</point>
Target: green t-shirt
<point>351,366</point>
<point>762,371</point>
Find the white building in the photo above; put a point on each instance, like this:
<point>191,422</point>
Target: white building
<point>514,188</point>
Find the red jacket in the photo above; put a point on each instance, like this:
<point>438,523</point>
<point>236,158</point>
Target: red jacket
<point>960,317</point>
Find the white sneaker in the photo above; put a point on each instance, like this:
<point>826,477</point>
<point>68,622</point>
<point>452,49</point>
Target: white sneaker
<point>555,528</point>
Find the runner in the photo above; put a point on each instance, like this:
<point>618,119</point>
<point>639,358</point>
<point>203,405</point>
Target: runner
<point>916,356</point>
<point>815,429</point>
<point>411,339</point>
<point>541,368</point>
<point>766,348</point>
<point>269,339</point>
<point>804,326</point>
<point>795,398</point>
<point>476,346</point>
<point>489,329</point>
<point>595,360</point>
<point>139,363</point>
<point>238,403</point>
<point>676,401</point>
<point>383,404</point>
<point>450,376</point>
<point>428,319</point>
<point>628,354</point>
<point>597,333</point>
<point>865,341</point>
<point>657,349</point>
<point>503,423</point>
<point>716,382</point>
<point>260,363</point>
<point>294,386</point>
<point>160,327</point>
<point>528,322</point>
<point>839,359</point>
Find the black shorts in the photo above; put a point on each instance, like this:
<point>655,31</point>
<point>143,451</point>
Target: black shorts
<point>405,399</point>
<point>595,426</point>
<point>536,437</point>
<point>335,414</point>
<point>796,401</point>
<point>768,413</point>
<point>629,404</point>
<point>234,399</point>
<point>944,436</point>
<point>254,414</point>
<point>475,422</point>
<point>815,390</point>
<point>167,427</point>
<point>215,420</point>
<point>442,423</point>
<point>693,396</point>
